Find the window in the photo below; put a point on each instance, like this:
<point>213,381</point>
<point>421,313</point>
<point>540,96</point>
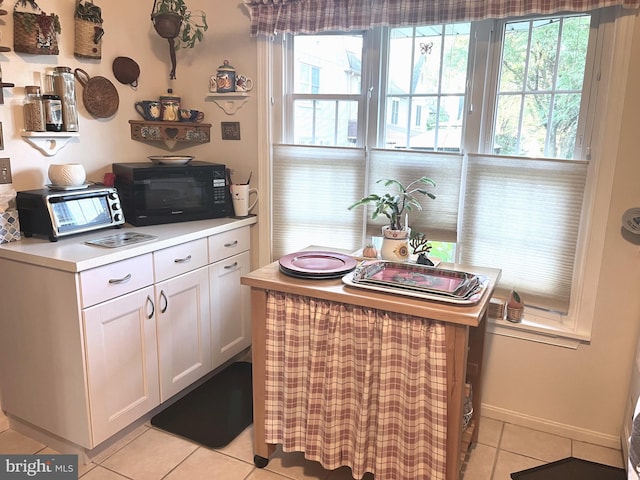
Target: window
<point>499,113</point>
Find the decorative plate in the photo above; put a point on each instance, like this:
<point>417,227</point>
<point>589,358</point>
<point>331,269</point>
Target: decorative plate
<point>317,264</point>
<point>68,187</point>
<point>170,159</point>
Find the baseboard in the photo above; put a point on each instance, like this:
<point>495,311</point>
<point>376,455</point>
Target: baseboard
<point>543,425</point>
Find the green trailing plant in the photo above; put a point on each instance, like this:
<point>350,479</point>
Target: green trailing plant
<point>393,204</point>
<point>86,10</point>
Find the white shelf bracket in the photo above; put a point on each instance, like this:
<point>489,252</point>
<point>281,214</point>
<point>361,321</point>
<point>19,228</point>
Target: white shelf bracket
<point>48,143</point>
<point>230,103</point>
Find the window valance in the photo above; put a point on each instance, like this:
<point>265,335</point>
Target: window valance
<point>269,17</point>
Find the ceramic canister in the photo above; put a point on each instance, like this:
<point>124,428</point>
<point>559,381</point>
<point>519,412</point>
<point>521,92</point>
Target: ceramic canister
<point>170,107</point>
<point>226,78</point>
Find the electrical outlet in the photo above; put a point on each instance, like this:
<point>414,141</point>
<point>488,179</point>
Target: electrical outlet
<point>5,170</point>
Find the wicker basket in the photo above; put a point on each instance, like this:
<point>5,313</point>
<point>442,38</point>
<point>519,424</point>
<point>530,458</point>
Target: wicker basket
<point>29,36</point>
<point>514,314</point>
<point>496,308</point>
<point>88,39</point>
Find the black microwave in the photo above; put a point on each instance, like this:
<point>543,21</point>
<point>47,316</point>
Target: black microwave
<point>153,194</point>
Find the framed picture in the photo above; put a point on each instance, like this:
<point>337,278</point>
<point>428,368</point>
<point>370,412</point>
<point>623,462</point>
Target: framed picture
<point>230,130</point>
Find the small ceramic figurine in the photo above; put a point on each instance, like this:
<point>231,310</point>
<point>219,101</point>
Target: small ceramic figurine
<point>370,251</point>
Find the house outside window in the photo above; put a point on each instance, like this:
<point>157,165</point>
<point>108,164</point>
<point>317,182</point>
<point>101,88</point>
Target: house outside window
<point>496,112</point>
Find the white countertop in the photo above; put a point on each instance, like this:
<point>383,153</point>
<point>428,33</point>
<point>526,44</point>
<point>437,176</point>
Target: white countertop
<point>71,254</point>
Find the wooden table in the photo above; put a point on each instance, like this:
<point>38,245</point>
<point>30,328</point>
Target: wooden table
<point>464,333</point>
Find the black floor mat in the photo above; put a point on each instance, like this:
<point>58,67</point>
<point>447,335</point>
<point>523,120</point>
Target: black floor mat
<point>214,413</point>
<point>571,469</point>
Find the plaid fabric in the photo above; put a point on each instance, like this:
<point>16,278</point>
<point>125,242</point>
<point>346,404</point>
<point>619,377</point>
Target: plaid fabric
<point>355,386</point>
<point>269,17</point>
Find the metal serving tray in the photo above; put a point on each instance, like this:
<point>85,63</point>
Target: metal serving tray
<point>451,286</point>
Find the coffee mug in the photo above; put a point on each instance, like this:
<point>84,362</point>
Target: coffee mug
<point>243,83</point>
<point>240,198</point>
<point>213,83</point>
<point>187,115</point>
<point>149,109</point>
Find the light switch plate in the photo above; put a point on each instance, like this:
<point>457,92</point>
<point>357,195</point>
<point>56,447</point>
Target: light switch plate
<point>5,170</point>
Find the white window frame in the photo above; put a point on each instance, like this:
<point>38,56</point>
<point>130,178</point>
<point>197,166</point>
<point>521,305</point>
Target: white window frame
<point>616,35</point>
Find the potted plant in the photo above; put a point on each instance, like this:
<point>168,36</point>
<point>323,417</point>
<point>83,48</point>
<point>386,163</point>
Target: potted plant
<point>182,27</point>
<point>393,205</point>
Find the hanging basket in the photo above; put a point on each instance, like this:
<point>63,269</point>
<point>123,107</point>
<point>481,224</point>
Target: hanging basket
<point>34,31</point>
<point>167,25</point>
<point>88,30</point>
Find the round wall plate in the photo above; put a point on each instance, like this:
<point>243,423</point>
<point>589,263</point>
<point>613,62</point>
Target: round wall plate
<point>631,220</point>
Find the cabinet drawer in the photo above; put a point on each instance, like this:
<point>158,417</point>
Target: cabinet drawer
<point>103,283</point>
<point>180,259</point>
<point>224,245</point>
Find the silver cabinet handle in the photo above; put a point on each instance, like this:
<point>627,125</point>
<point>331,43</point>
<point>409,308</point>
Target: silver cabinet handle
<point>232,244</point>
<point>153,307</point>
<point>116,281</point>
<point>183,260</point>
<point>232,266</point>
<point>166,302</point>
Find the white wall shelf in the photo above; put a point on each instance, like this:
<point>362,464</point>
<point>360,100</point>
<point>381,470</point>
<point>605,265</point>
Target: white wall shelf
<point>49,143</point>
<point>229,102</point>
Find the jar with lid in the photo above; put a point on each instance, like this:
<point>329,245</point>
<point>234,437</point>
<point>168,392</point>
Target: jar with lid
<point>170,107</point>
<point>52,107</point>
<point>64,84</point>
<point>226,78</point>
<point>33,109</point>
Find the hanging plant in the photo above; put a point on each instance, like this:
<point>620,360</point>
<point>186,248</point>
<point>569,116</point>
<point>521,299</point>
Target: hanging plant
<point>179,25</point>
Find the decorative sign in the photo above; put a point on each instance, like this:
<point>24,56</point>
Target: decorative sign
<point>230,130</point>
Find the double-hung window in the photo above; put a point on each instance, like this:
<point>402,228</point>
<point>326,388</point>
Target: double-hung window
<point>500,113</point>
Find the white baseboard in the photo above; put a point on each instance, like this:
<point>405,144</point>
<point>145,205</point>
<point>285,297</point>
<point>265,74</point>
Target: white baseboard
<point>543,425</point>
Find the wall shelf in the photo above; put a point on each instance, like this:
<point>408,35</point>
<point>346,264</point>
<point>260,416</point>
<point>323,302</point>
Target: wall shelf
<point>49,143</point>
<point>229,102</point>
<point>171,134</point>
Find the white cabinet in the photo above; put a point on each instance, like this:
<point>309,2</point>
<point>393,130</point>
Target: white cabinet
<point>182,313</point>
<point>103,345</point>
<point>230,314</point>
<point>120,341</point>
<point>122,361</point>
<point>184,330</point>
<point>230,307</point>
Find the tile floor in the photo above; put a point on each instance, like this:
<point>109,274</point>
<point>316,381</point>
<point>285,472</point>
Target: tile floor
<point>151,454</point>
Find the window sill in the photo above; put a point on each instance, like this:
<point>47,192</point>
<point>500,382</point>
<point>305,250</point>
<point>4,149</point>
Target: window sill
<point>536,332</point>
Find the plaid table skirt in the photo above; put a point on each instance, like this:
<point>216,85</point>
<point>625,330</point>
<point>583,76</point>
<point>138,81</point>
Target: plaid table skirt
<point>357,387</point>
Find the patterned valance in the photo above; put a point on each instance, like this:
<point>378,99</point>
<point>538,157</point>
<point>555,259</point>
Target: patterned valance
<point>269,17</point>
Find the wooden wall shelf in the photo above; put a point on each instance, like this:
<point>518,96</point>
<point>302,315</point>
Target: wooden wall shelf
<point>171,134</point>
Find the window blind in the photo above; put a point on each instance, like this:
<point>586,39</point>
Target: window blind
<point>438,218</point>
<point>313,188</point>
<point>523,215</point>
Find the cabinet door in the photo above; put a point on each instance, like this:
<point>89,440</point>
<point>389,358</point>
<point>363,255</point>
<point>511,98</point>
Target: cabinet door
<point>184,331</point>
<point>122,361</point>
<point>230,308</point>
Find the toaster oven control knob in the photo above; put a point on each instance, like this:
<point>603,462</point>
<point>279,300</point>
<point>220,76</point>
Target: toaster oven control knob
<point>113,195</point>
<point>117,217</point>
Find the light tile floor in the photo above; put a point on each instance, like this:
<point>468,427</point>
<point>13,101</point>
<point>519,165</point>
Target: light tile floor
<point>151,454</point>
